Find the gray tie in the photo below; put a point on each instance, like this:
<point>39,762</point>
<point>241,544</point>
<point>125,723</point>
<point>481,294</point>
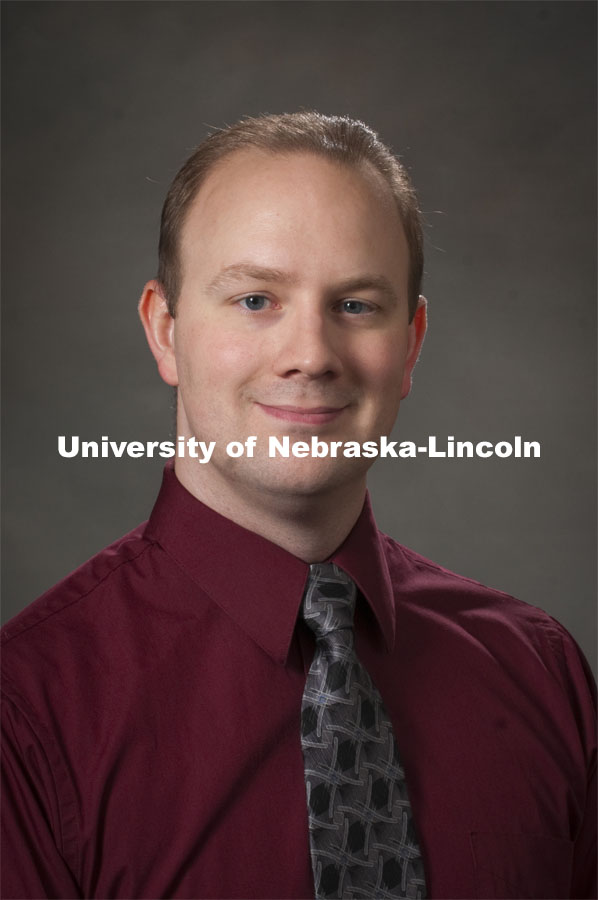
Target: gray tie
<point>361,832</point>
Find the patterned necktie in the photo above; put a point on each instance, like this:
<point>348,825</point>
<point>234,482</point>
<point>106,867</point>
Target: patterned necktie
<point>361,832</point>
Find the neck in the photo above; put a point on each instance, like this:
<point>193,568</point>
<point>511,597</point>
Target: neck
<point>310,526</point>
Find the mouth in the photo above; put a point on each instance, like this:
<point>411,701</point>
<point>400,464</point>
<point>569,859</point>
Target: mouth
<point>308,415</point>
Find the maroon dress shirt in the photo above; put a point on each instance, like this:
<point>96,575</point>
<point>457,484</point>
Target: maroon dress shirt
<point>152,711</point>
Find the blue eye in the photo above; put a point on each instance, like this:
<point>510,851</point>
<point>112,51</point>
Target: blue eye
<point>355,307</point>
<point>254,302</point>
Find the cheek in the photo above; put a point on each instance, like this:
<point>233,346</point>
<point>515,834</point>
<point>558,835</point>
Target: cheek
<point>383,368</point>
<point>212,357</point>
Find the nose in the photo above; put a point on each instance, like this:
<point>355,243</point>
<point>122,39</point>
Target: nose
<point>306,348</point>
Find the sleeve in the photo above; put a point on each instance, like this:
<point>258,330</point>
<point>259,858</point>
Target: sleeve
<point>584,879</point>
<point>581,688</point>
<point>34,838</point>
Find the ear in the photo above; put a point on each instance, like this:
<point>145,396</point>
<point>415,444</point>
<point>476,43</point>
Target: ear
<point>158,325</point>
<point>415,339</point>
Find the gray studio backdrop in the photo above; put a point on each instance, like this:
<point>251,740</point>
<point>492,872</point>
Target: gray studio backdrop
<point>492,107</point>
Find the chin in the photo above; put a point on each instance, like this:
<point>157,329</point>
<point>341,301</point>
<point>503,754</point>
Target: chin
<point>308,477</point>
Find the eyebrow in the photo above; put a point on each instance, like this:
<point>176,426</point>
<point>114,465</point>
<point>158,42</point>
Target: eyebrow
<point>248,270</point>
<point>237,271</point>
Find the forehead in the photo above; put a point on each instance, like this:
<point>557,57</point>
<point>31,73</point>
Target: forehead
<point>288,208</point>
<point>254,170</point>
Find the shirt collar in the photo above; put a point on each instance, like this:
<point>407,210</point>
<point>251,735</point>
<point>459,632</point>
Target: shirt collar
<point>255,582</point>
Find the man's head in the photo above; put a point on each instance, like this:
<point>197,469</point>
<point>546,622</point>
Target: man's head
<point>336,138</point>
<point>294,314</point>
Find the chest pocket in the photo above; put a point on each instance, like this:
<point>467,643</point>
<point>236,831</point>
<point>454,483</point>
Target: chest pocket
<point>516,865</point>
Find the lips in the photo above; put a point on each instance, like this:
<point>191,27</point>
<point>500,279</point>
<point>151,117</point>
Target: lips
<point>308,415</point>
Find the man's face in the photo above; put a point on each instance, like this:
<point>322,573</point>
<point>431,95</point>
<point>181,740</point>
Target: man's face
<point>292,317</point>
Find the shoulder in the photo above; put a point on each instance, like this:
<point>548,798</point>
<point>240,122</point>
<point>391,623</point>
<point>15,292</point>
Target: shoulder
<point>78,645</point>
<point>83,590</point>
<point>466,614</point>
<point>428,583</point>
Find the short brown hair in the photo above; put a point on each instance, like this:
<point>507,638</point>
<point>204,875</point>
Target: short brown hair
<point>337,137</point>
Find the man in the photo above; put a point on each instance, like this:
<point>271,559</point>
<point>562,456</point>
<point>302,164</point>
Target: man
<point>256,693</point>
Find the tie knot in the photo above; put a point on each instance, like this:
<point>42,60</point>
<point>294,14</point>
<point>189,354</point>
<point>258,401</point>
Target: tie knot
<point>329,601</point>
